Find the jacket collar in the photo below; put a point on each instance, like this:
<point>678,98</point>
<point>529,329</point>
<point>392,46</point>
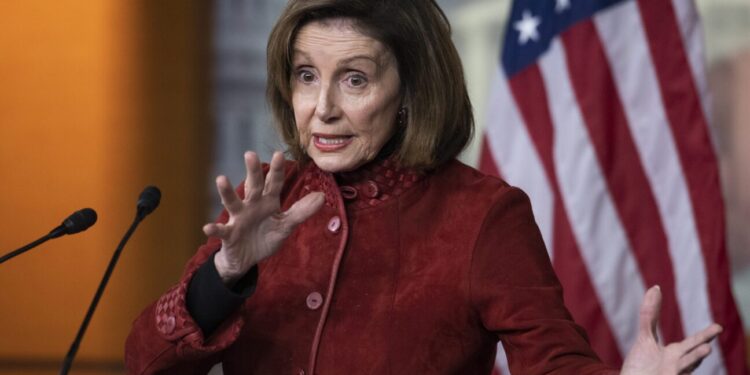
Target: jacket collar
<point>370,185</point>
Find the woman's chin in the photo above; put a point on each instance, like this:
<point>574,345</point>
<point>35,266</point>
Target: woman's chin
<point>335,163</point>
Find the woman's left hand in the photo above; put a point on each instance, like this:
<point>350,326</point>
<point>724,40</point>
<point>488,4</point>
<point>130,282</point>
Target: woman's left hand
<point>648,356</point>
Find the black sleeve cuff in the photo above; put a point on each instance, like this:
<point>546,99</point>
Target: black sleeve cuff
<point>210,302</point>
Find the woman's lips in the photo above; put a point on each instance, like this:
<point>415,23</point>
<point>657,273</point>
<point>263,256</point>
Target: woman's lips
<point>330,143</point>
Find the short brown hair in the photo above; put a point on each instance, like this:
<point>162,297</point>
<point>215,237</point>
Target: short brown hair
<point>439,115</point>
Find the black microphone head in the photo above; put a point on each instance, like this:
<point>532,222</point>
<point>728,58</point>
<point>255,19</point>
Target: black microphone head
<point>148,200</point>
<point>79,221</point>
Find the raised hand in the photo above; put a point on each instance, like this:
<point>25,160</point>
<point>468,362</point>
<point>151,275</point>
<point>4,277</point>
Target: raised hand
<point>256,226</point>
<point>649,357</point>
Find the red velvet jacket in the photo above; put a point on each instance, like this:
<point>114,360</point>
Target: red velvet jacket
<point>398,273</point>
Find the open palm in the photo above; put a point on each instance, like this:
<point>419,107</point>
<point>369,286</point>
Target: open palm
<point>649,357</point>
<point>256,227</point>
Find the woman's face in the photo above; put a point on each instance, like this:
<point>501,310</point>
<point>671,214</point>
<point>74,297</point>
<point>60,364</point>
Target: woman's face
<point>345,94</point>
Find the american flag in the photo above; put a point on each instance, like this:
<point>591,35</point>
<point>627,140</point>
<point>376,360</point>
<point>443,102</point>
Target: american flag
<point>599,112</point>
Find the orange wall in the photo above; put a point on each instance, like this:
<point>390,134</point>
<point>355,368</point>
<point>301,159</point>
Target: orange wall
<point>97,100</point>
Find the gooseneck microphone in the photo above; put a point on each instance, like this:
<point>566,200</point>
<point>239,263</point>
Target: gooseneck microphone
<point>147,202</point>
<point>77,222</point>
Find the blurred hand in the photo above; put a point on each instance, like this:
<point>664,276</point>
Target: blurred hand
<point>256,226</point>
<point>649,357</point>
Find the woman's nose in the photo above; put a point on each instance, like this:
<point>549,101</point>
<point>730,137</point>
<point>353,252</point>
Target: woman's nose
<point>327,109</point>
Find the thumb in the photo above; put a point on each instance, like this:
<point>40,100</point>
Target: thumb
<point>649,314</point>
<point>214,230</point>
<point>302,209</point>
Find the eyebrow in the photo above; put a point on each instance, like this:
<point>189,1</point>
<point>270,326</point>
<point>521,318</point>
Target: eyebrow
<point>300,52</point>
<point>345,61</point>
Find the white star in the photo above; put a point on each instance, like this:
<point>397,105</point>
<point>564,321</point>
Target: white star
<point>562,5</point>
<point>527,27</point>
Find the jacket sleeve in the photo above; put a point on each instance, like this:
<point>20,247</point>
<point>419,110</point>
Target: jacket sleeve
<point>519,298</point>
<point>165,339</point>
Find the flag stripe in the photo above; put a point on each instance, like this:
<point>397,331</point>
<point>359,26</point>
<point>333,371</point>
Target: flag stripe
<point>530,95</point>
<point>639,90</point>
<point>620,163</point>
<point>690,130</point>
<point>511,147</point>
<point>580,296</point>
<point>601,239</point>
<point>692,36</point>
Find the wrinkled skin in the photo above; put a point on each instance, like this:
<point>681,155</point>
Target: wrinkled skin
<point>648,356</point>
<point>345,94</point>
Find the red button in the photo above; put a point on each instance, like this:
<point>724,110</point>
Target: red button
<point>371,189</point>
<point>348,192</point>
<point>334,224</point>
<point>169,324</point>
<point>314,300</point>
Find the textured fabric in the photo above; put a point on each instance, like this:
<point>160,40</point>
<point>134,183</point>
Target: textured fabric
<point>410,274</point>
<point>209,301</point>
<point>598,113</point>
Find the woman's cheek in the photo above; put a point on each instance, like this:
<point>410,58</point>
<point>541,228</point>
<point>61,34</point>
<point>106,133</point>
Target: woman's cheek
<point>304,135</point>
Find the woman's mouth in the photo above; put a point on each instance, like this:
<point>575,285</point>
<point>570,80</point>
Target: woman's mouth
<point>330,142</point>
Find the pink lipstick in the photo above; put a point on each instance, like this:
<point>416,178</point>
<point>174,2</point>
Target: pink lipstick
<point>331,142</point>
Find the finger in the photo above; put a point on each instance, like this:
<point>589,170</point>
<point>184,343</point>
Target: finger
<point>692,360</point>
<point>698,339</point>
<point>254,179</point>
<point>228,196</point>
<point>215,230</point>
<point>303,209</point>
<point>275,177</point>
<point>649,313</point>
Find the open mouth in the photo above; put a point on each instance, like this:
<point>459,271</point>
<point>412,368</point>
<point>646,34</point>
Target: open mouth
<point>330,142</point>
<point>333,141</point>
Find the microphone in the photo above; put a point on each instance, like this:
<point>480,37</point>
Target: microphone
<point>77,222</point>
<point>147,203</point>
<point>148,200</point>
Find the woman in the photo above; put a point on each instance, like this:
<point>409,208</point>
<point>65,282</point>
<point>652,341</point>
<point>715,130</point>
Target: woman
<point>375,251</point>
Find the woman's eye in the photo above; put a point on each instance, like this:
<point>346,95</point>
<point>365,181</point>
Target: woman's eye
<point>306,76</point>
<point>357,80</point>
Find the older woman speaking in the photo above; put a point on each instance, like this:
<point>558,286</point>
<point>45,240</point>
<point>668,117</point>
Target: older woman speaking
<point>374,251</point>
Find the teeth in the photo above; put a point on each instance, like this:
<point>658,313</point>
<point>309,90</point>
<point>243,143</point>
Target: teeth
<point>331,141</point>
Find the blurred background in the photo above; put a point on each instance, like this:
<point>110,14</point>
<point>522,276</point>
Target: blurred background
<point>101,98</point>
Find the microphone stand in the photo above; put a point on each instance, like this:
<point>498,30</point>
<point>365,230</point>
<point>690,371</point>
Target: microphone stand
<point>79,336</point>
<point>77,222</point>
<point>26,248</point>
